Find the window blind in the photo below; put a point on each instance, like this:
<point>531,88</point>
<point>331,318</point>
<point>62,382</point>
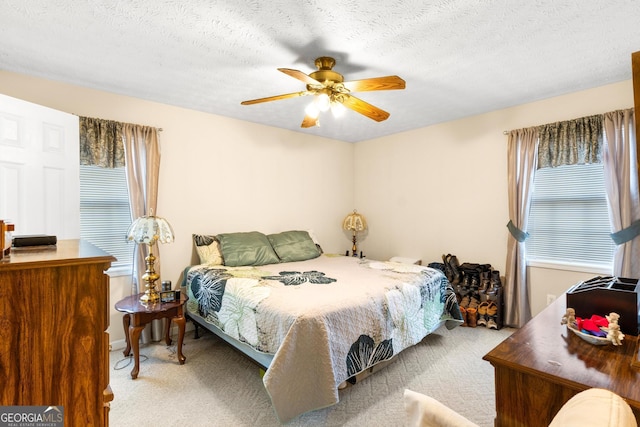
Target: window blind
<point>569,217</point>
<point>104,212</point>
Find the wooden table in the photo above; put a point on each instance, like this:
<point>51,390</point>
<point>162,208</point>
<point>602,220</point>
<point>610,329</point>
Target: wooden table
<point>137,315</point>
<point>542,365</point>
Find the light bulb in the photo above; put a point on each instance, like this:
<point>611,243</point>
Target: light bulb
<point>312,110</point>
<point>323,102</point>
<point>337,109</point>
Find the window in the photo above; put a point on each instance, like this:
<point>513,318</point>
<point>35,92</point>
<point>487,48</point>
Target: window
<point>104,213</point>
<point>569,217</point>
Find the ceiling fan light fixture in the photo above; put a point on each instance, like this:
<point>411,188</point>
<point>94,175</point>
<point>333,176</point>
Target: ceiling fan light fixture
<point>312,110</point>
<point>330,91</point>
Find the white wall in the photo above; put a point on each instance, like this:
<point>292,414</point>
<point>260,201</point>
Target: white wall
<point>218,174</point>
<point>439,189</point>
<point>443,189</point>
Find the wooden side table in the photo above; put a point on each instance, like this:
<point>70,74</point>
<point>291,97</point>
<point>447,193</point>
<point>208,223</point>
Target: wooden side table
<point>137,315</point>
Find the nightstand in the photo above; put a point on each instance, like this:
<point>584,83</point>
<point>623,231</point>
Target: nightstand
<point>137,315</point>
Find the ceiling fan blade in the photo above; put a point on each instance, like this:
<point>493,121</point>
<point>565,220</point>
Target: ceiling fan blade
<point>275,98</point>
<point>376,83</point>
<point>365,108</point>
<point>308,122</point>
<point>300,76</point>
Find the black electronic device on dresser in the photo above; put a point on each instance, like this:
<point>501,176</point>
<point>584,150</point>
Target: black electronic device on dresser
<point>33,240</point>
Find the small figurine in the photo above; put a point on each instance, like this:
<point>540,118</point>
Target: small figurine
<point>614,335</point>
<point>569,318</point>
<point>613,318</point>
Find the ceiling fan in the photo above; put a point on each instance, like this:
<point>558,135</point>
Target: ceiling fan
<point>332,92</point>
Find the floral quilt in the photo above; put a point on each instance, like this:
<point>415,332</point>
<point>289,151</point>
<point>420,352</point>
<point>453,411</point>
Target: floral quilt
<point>324,320</point>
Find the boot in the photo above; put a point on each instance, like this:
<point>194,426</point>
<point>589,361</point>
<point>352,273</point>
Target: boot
<point>494,294</point>
<point>447,267</point>
<point>472,317</point>
<point>485,284</point>
<point>454,265</point>
<point>465,286</point>
<point>463,313</point>
<point>472,313</point>
<point>474,285</point>
<point>451,269</point>
<point>495,283</point>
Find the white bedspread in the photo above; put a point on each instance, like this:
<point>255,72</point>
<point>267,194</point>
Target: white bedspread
<point>324,319</point>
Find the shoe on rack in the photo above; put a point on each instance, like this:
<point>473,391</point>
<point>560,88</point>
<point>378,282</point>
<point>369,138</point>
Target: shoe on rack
<point>492,312</point>
<point>492,308</point>
<point>482,313</point>
<point>491,324</point>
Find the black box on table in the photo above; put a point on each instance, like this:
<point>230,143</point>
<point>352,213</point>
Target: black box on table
<point>604,295</point>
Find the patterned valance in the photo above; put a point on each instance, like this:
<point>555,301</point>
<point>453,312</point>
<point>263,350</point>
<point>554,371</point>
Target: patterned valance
<point>570,142</point>
<point>101,143</point>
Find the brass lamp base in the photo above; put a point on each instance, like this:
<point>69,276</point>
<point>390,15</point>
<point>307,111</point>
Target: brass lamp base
<point>354,248</point>
<point>150,296</point>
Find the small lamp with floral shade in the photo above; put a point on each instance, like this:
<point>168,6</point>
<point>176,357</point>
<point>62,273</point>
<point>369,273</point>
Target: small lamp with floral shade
<point>148,230</point>
<point>355,223</point>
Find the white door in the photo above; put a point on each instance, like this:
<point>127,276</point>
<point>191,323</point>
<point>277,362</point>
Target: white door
<point>39,169</point>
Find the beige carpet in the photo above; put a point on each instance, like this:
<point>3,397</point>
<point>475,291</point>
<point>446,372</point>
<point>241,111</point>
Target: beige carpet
<point>218,387</point>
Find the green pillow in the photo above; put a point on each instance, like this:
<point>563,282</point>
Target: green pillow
<point>294,246</point>
<point>247,248</point>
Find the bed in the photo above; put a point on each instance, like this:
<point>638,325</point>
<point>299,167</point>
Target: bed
<point>313,321</point>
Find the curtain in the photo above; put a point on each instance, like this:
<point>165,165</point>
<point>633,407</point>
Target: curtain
<point>571,142</point>
<point>142,159</point>
<point>101,143</point>
<point>522,159</point>
<point>621,180</point>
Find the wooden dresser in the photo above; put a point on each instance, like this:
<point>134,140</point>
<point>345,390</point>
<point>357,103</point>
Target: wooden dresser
<point>542,365</point>
<point>54,348</point>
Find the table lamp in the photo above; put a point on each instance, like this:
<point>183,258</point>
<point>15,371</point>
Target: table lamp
<point>149,230</point>
<point>355,223</point>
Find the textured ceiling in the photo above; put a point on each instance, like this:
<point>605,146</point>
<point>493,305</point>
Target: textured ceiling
<point>458,57</point>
